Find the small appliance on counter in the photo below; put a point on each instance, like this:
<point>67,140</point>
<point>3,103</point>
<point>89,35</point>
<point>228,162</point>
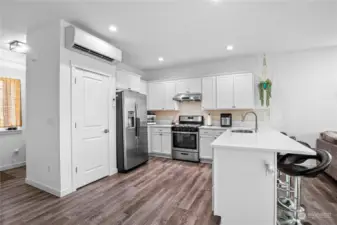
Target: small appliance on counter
<point>151,117</point>
<point>225,119</point>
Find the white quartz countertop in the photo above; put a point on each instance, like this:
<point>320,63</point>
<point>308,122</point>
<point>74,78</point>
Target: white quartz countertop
<point>160,125</point>
<point>264,140</point>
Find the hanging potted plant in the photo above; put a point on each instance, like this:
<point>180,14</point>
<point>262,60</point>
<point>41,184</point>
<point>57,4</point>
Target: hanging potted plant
<point>265,85</point>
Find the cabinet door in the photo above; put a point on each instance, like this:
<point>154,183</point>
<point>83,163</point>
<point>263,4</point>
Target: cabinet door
<point>205,147</point>
<point>143,87</point>
<point>156,143</point>
<point>189,85</point>
<point>243,91</point>
<point>134,82</point>
<point>122,80</point>
<point>156,96</point>
<point>170,92</point>
<point>225,96</point>
<point>208,93</point>
<point>166,143</point>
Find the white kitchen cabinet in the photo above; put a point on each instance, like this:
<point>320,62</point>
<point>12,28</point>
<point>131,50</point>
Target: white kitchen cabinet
<point>225,92</point>
<point>126,80</point>
<point>208,93</point>
<point>161,140</point>
<point>205,147</point>
<point>156,145</point>
<point>170,92</point>
<point>156,96</point>
<point>235,91</point>
<point>160,96</point>
<point>166,143</point>
<point>189,85</point>
<point>207,136</point>
<point>244,91</point>
<point>143,87</point>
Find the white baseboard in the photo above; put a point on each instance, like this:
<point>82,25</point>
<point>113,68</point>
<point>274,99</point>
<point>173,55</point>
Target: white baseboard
<point>45,188</point>
<point>161,155</point>
<point>206,160</point>
<point>113,171</point>
<point>12,166</point>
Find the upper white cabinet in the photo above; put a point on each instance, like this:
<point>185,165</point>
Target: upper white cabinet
<point>244,91</point>
<point>235,91</point>
<point>127,80</point>
<point>208,93</point>
<point>225,92</point>
<point>143,87</point>
<point>189,85</point>
<point>160,96</point>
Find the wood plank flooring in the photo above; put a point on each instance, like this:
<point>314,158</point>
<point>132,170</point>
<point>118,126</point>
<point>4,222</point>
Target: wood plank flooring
<point>162,192</point>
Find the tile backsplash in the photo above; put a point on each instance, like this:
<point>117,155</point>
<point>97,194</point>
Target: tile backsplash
<point>194,108</point>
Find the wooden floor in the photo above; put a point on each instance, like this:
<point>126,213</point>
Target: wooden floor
<point>161,192</point>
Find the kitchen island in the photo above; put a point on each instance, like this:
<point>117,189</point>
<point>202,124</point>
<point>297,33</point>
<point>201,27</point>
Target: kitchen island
<point>244,175</point>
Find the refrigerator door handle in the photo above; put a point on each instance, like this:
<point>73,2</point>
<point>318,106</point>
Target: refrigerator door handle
<point>136,126</point>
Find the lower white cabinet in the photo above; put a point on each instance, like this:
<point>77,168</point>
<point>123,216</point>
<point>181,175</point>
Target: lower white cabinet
<point>156,143</point>
<point>207,136</point>
<point>166,143</point>
<point>161,141</point>
<point>205,147</point>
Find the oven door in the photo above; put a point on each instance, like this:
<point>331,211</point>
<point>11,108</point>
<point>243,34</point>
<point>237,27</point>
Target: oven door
<point>185,141</point>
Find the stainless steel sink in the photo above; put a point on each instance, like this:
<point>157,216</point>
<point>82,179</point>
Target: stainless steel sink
<point>246,131</point>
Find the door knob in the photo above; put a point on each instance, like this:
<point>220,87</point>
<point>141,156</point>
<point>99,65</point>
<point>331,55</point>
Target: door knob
<point>106,131</point>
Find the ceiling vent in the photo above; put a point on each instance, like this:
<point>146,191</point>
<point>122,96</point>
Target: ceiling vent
<point>85,43</point>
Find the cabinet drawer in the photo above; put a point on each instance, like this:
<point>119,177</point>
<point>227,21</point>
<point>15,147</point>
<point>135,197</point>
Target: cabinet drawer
<point>161,130</point>
<point>208,132</point>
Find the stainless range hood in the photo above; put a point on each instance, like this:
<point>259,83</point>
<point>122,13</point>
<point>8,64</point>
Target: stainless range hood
<point>188,97</point>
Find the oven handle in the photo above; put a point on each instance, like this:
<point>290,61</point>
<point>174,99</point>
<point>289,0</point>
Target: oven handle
<point>181,132</point>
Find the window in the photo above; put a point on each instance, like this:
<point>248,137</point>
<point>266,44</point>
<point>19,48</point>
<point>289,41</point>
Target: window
<point>10,103</point>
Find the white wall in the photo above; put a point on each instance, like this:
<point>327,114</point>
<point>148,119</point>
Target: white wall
<point>67,58</point>
<point>13,65</point>
<point>43,141</point>
<point>304,95</point>
<point>49,143</point>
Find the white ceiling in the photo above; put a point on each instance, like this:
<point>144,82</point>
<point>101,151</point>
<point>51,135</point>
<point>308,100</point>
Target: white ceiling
<point>184,31</point>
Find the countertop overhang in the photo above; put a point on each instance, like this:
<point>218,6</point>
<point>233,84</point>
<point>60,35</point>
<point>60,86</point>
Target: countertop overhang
<point>264,140</point>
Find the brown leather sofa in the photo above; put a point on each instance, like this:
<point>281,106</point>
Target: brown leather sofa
<point>332,148</point>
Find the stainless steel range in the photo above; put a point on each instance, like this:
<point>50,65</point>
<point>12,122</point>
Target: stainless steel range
<point>185,138</point>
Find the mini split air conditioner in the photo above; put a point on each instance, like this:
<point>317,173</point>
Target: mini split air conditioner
<point>85,43</point>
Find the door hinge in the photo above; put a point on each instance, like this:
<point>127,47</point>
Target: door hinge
<point>76,169</point>
<point>75,125</point>
<point>75,80</point>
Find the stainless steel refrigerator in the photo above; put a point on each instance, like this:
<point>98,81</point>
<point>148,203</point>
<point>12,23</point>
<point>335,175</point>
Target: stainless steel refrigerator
<point>131,121</point>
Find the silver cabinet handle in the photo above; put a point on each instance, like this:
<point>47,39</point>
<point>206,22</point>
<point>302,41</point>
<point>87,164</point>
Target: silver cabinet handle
<point>106,131</point>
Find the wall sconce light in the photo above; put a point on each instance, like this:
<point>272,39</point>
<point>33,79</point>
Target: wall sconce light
<point>18,46</point>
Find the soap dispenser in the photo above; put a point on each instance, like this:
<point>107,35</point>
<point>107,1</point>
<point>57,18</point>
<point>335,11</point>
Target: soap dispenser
<point>209,120</point>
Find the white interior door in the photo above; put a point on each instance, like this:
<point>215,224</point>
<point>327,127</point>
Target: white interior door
<point>90,126</point>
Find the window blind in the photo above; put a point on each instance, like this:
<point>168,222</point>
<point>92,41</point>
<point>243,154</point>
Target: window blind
<point>10,103</point>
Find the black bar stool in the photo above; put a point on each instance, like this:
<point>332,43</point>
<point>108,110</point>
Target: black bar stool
<point>290,165</point>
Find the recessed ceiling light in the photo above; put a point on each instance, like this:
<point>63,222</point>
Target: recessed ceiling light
<point>215,1</point>
<point>229,47</point>
<point>161,59</point>
<point>113,28</point>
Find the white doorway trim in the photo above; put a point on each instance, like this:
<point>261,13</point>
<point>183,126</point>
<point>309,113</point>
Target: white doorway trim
<point>73,158</point>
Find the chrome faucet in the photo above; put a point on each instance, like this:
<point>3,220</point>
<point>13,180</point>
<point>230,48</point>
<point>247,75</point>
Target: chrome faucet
<point>244,117</point>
